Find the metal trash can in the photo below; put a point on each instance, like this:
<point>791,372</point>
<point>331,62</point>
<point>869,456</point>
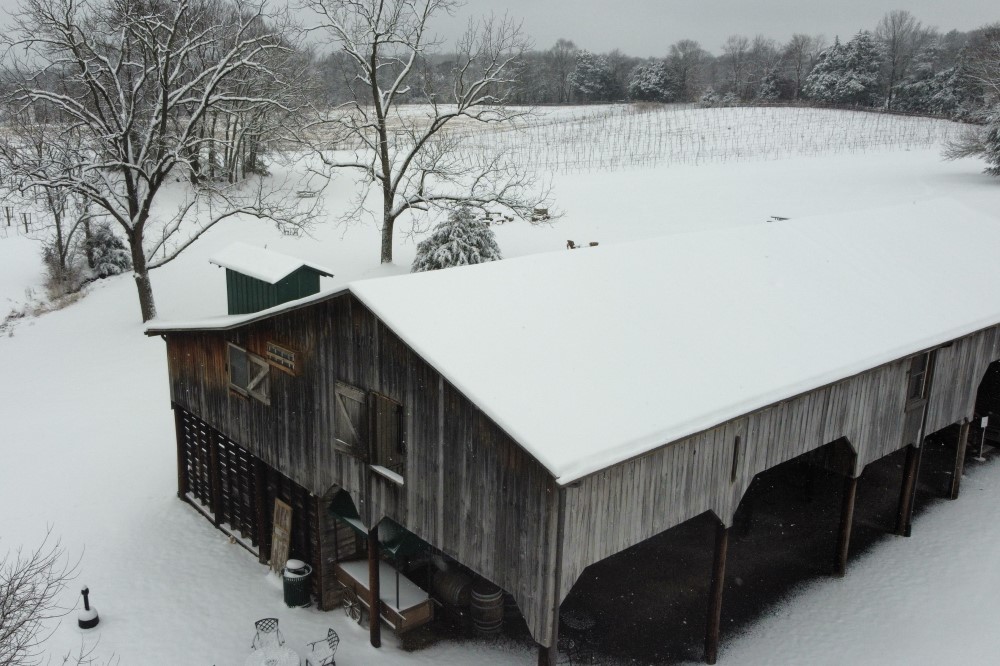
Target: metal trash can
<point>296,579</point>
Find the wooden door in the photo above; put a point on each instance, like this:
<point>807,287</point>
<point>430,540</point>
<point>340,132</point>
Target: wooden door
<point>282,535</point>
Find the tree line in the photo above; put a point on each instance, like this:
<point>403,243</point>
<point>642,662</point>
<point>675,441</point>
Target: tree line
<point>899,65</point>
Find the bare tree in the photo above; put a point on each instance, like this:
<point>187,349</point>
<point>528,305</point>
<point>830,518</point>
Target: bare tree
<point>686,60</point>
<point>30,584</point>
<point>561,60</point>
<point>60,217</point>
<point>133,78</point>
<point>901,36</point>
<point>735,56</point>
<point>800,55</point>
<point>763,60</point>
<point>410,154</point>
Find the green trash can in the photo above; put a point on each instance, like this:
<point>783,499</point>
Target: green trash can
<point>296,578</point>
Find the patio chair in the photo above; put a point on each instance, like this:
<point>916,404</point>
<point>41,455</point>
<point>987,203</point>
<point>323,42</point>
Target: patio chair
<point>327,648</point>
<point>267,633</point>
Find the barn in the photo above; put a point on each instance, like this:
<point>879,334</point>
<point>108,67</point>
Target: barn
<point>531,417</point>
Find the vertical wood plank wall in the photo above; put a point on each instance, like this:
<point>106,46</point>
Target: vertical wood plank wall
<point>474,493</point>
<point>614,509</point>
<point>469,489</point>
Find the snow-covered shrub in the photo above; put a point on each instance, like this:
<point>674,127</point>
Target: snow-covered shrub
<point>847,73</point>
<point>709,99</point>
<point>460,240</point>
<point>652,82</point>
<point>63,275</point>
<point>109,254</point>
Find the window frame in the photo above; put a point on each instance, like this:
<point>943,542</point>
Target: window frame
<point>378,461</point>
<point>258,374</point>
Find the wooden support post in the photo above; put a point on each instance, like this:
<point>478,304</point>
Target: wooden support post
<point>715,594</point>
<point>182,480</point>
<point>911,468</point>
<point>263,516</point>
<point>548,656</point>
<point>215,484</point>
<point>374,606</point>
<point>846,522</point>
<point>956,475</point>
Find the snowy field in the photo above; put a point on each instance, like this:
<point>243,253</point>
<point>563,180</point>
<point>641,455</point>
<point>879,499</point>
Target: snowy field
<point>87,442</point>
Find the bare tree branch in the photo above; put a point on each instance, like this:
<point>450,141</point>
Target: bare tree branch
<point>397,131</point>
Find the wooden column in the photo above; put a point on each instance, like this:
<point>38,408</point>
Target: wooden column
<point>374,606</point>
<point>263,517</point>
<point>549,656</point>
<point>956,475</point>
<point>911,468</point>
<point>715,593</point>
<point>215,490</point>
<point>846,522</point>
<point>182,481</point>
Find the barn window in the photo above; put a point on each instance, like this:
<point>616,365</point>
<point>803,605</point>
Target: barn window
<point>249,374</point>
<point>351,420</point>
<point>388,455</point>
<point>917,387</point>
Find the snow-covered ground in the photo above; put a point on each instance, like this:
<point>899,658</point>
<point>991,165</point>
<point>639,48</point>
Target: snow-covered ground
<point>87,442</point>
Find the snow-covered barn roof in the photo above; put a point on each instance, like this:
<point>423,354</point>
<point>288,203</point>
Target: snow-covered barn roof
<point>593,356</point>
<point>261,263</point>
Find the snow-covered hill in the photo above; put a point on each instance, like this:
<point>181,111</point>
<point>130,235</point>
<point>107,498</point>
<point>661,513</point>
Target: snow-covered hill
<point>87,442</point>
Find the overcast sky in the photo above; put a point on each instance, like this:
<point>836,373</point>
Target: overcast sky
<point>649,27</point>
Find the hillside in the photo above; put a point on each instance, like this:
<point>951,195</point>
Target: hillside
<point>88,442</point>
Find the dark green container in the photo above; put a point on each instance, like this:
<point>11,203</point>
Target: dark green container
<point>296,579</point>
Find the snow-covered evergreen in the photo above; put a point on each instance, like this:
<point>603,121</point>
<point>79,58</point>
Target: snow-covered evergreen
<point>847,73</point>
<point>991,144</point>
<point>109,253</point>
<point>770,88</point>
<point>460,240</point>
<point>652,82</point>
<point>592,79</point>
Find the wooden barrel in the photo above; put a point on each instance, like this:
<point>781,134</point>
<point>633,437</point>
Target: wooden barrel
<point>487,608</point>
<point>453,587</point>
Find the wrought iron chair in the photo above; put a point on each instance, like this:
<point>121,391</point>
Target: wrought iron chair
<point>324,655</point>
<point>267,633</point>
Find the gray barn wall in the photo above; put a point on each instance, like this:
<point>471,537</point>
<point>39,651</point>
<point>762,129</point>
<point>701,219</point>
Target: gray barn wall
<point>619,507</point>
<point>470,490</point>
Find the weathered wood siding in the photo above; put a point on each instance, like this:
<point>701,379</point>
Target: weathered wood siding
<point>476,495</point>
<point>960,369</point>
<point>612,510</point>
<point>469,489</point>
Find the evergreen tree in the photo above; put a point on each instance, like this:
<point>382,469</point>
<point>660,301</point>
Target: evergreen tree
<point>652,82</point>
<point>770,88</point>
<point>592,79</point>
<point>864,61</point>
<point>847,73</point>
<point>111,256</point>
<point>991,146</point>
<point>458,241</point>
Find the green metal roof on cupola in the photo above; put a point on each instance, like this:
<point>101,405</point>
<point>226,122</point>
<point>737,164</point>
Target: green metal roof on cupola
<point>258,278</point>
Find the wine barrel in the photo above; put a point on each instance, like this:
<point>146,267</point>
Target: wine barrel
<point>487,608</point>
<point>453,587</point>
